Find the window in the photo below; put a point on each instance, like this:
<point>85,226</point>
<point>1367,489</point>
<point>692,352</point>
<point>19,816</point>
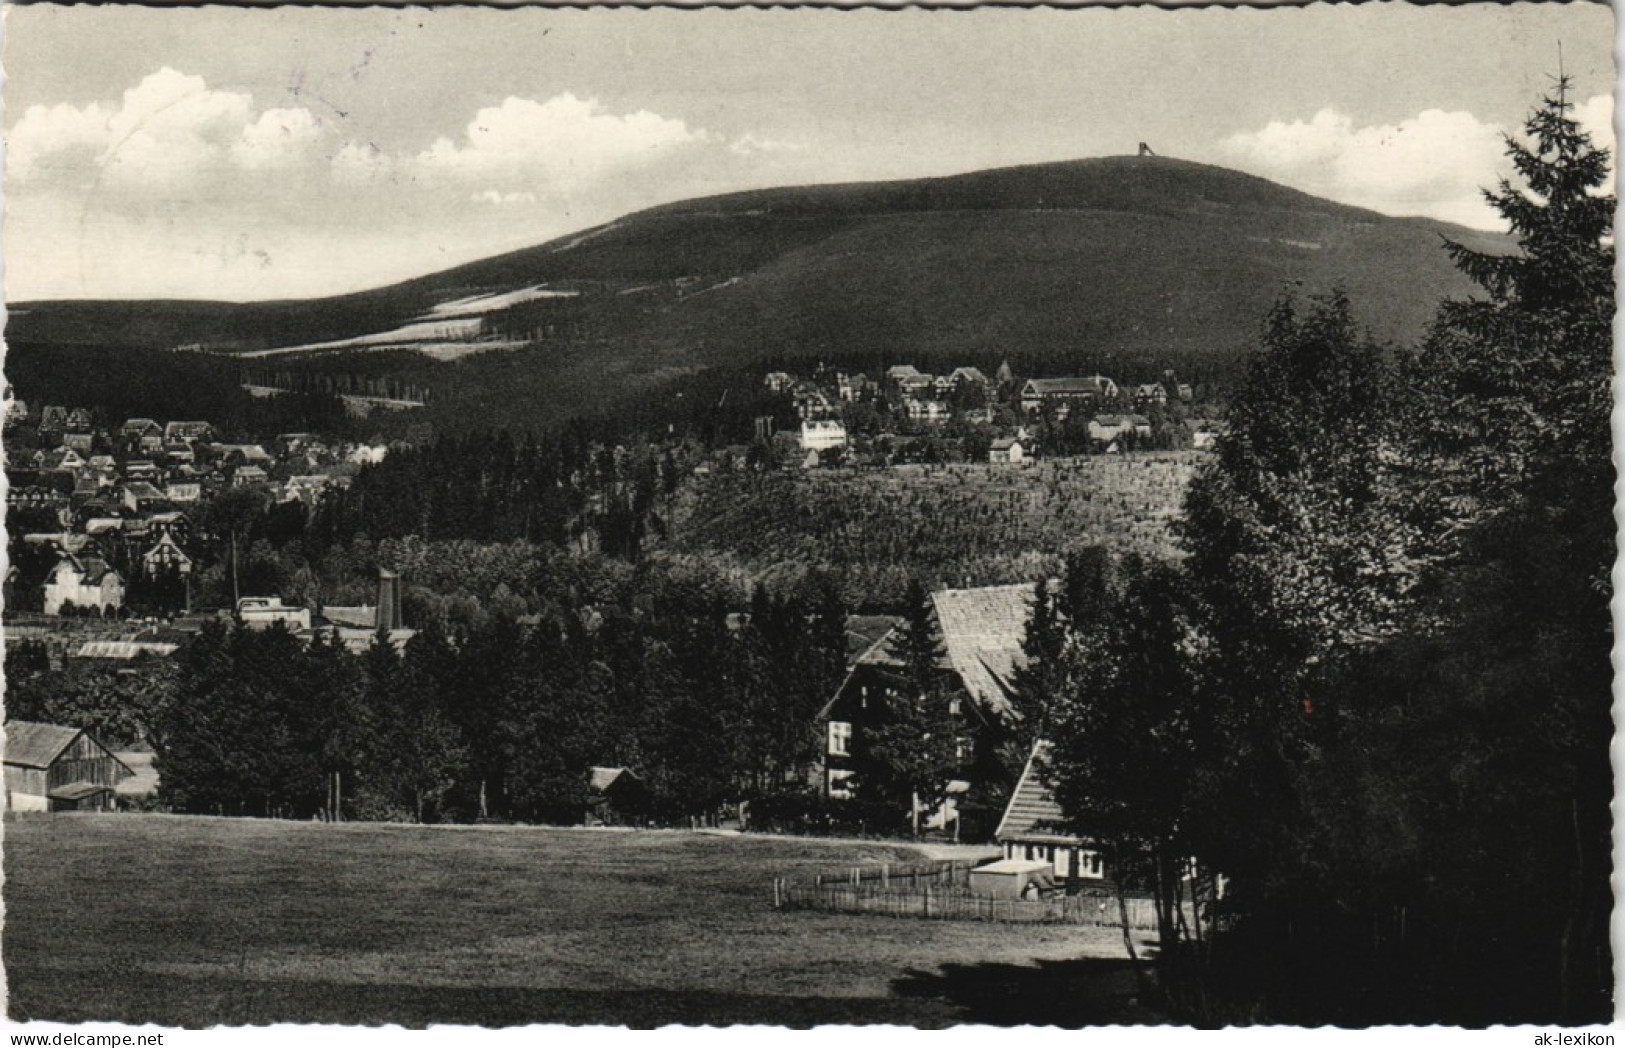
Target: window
<point>840,738</point>
<point>840,785</point>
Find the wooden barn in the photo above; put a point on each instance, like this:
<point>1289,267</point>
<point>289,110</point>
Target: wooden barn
<point>52,768</point>
<point>1033,830</point>
<point>619,798</point>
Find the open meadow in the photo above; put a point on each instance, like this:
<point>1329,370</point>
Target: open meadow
<point>191,922</point>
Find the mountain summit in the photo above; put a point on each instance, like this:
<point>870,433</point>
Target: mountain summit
<point>1108,262</point>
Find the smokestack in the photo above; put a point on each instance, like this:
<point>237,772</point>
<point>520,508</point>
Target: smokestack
<point>389,600</point>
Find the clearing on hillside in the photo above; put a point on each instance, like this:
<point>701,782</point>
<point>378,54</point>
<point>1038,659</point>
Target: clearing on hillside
<point>190,922</point>
<point>971,524</point>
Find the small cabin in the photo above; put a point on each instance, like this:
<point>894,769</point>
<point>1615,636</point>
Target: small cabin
<point>618,798</point>
<point>49,767</point>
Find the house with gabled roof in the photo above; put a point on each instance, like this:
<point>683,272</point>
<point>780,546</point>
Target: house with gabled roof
<point>49,767</point>
<point>59,460</point>
<point>143,433</point>
<point>1034,828</point>
<point>166,555</point>
<point>53,419</point>
<point>83,581</point>
<point>247,475</point>
<point>982,634</point>
<point>80,420</point>
<point>1147,393</point>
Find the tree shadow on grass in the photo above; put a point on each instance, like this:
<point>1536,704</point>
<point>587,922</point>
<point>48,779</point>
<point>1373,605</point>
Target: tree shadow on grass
<point>1073,994</point>
<point>192,1002</point>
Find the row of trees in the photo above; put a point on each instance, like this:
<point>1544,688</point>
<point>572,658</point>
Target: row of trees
<point>502,720</point>
<point>1375,696</point>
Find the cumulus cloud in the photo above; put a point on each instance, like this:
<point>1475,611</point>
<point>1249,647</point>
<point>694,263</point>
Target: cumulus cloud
<point>361,164</point>
<point>280,138</point>
<point>169,130</point>
<point>1596,117</point>
<point>179,187</point>
<point>52,141</point>
<point>1435,163</point>
<point>1431,164</point>
<point>564,142</point>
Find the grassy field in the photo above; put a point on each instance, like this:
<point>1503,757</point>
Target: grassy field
<point>192,922</point>
<point>970,524</point>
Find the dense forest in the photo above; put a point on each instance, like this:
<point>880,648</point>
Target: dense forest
<point>1373,701</point>
<point>498,718</point>
<point>118,383</point>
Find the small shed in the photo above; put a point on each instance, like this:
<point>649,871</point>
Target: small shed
<point>49,767</point>
<point>1013,879</point>
<point>618,798</point>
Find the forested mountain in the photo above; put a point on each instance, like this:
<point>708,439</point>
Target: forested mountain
<point>1121,264</point>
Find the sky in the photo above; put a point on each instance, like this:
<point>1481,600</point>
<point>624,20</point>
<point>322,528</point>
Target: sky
<point>296,152</point>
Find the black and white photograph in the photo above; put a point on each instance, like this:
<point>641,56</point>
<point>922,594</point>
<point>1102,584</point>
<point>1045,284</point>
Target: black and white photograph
<point>795,517</point>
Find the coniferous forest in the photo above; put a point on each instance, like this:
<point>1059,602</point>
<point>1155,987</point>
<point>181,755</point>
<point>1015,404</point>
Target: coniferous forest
<point>1365,720</point>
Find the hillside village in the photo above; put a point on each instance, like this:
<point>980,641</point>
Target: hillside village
<point>105,520</point>
<point>904,414</point>
<point>112,526</point>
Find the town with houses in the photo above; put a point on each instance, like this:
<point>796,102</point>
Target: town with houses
<point>861,419</point>
<point>107,519</point>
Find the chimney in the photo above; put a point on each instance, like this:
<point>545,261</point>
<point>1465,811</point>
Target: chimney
<point>389,600</point>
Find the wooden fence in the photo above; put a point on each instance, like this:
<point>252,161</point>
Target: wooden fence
<point>941,891</point>
<point>942,874</point>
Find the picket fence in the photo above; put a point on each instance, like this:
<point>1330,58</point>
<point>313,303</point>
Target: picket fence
<point>941,892</point>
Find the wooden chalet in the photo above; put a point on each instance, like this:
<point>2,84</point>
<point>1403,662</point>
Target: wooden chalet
<point>1034,829</point>
<point>982,633</point>
<point>52,768</point>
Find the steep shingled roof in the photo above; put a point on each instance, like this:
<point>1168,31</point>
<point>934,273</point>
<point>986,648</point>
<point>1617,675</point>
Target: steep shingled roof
<point>34,745</point>
<point>601,779</point>
<point>1033,814</point>
<point>983,630</point>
